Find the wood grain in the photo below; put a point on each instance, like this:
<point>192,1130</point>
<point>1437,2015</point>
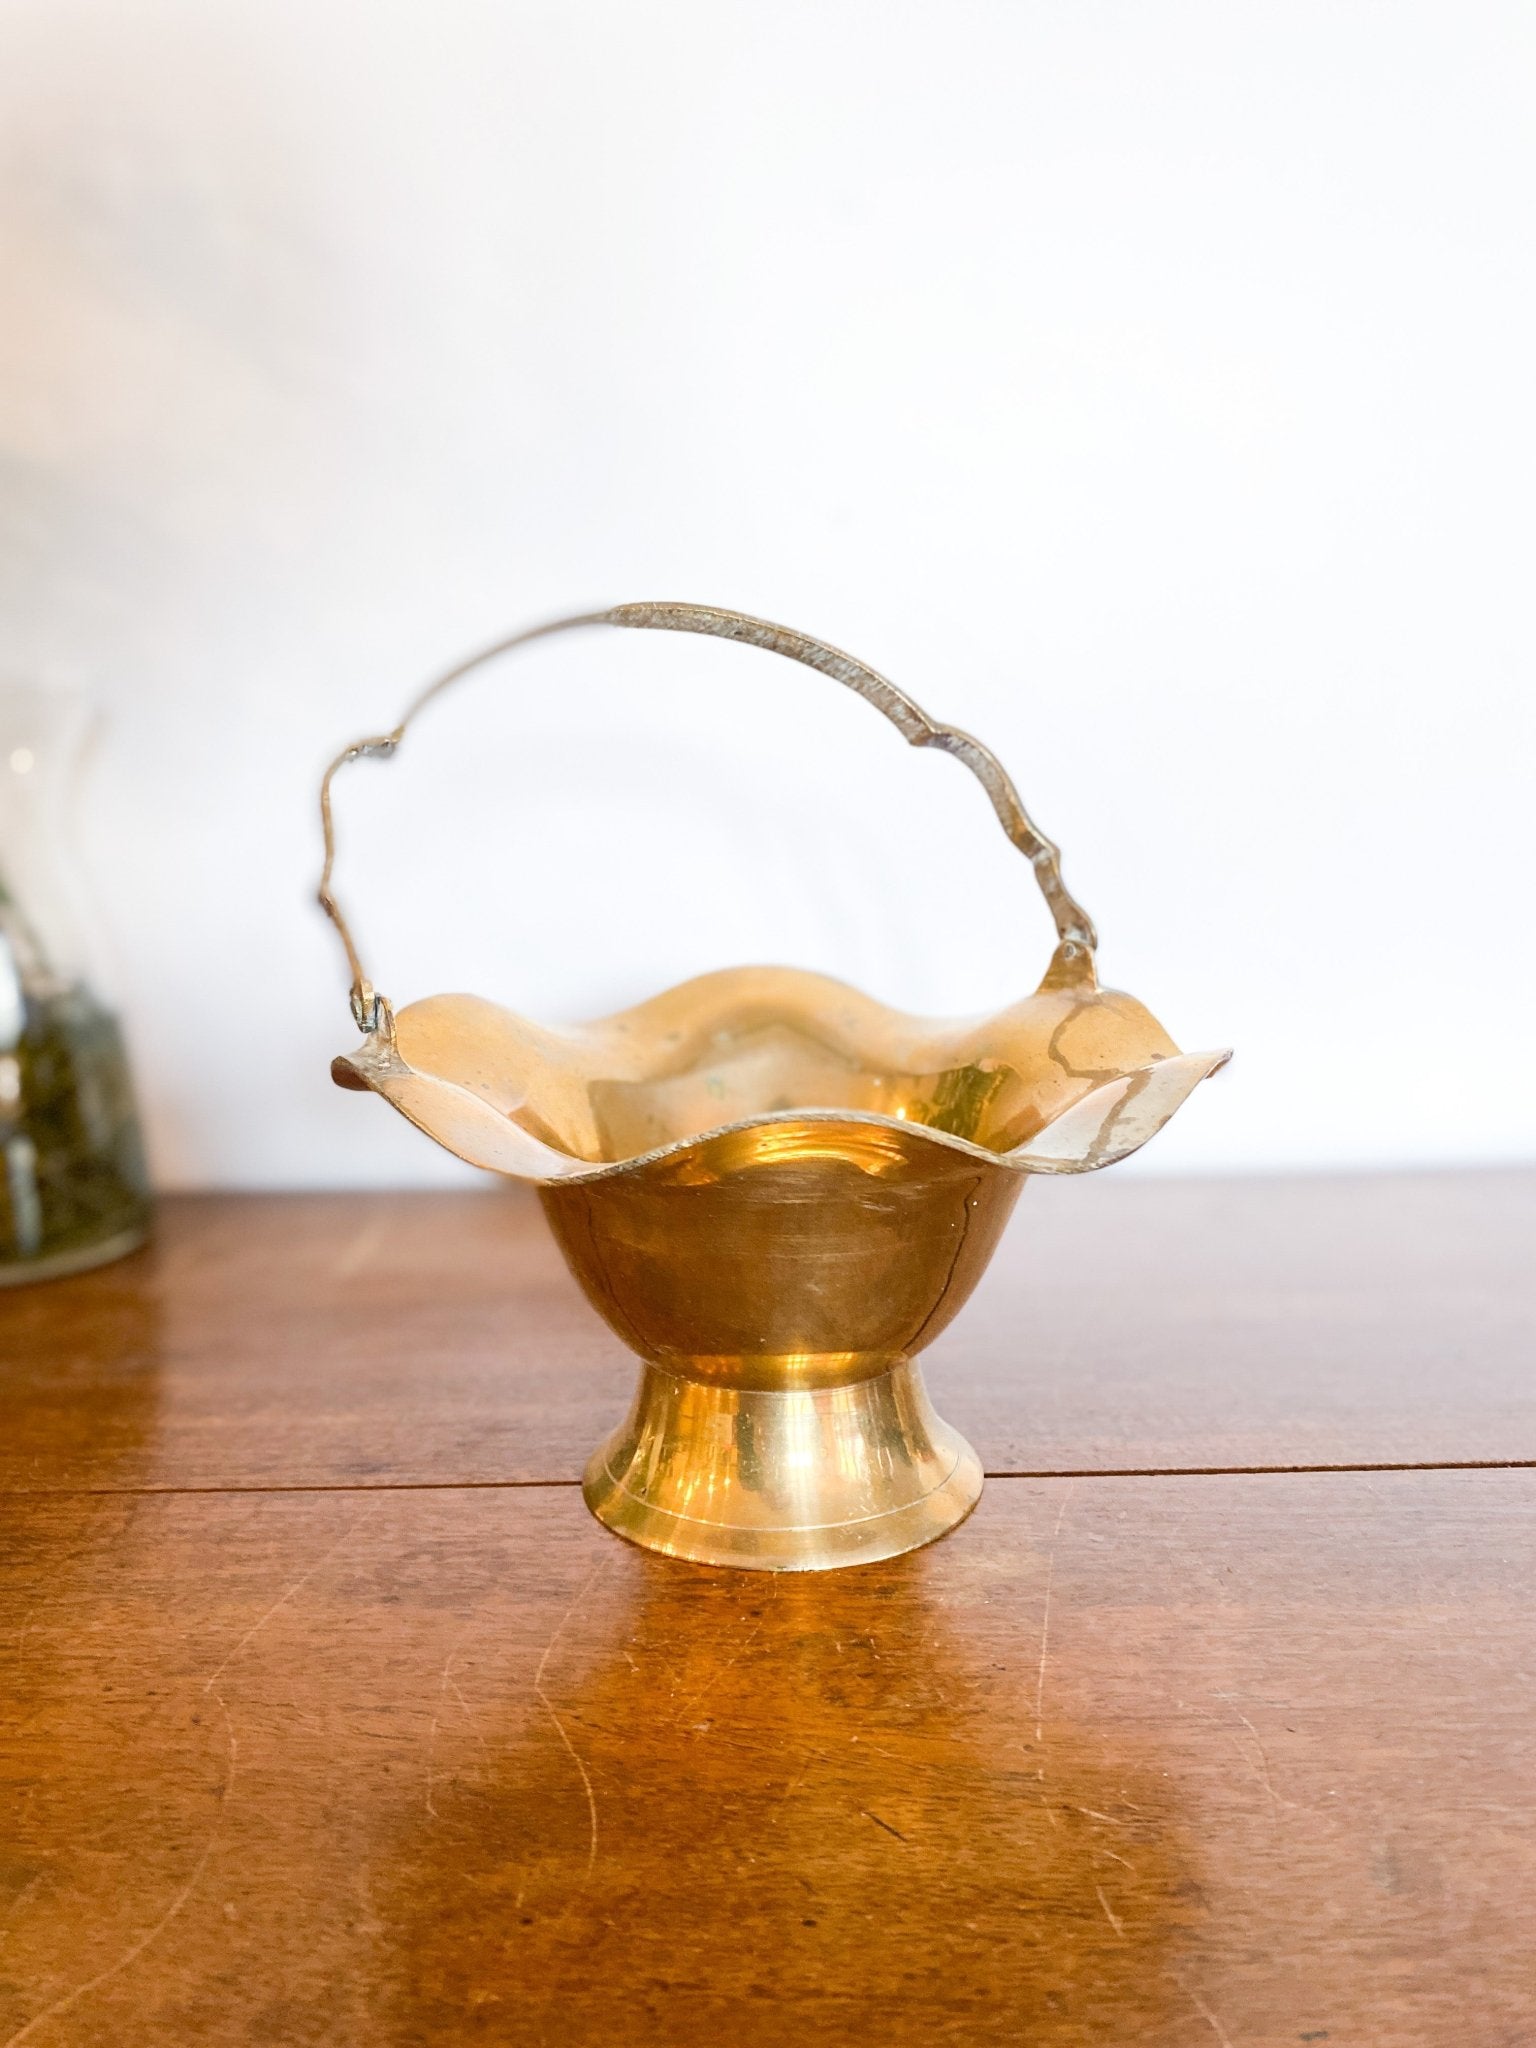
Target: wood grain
<point>1245,1761</point>
<point>1125,1325</point>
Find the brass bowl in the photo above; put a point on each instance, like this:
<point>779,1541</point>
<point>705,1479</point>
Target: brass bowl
<point>777,1191</point>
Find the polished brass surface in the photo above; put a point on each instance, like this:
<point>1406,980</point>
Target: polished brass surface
<point>790,1481</point>
<point>778,1191</point>
<point>778,1279</point>
<point>795,1252</point>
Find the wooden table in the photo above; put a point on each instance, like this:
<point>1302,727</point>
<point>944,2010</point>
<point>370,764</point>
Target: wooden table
<point>328,1716</point>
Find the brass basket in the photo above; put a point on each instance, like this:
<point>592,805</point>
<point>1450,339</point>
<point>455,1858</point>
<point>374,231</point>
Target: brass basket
<point>776,1190</point>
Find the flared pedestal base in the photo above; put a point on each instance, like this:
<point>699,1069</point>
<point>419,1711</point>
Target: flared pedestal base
<point>796,1480</point>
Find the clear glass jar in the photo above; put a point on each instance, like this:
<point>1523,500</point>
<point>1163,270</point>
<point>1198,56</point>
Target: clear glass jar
<point>74,1190</point>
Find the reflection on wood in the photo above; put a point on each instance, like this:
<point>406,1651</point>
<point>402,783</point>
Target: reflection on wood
<point>1141,1760</point>
<point>375,1751</point>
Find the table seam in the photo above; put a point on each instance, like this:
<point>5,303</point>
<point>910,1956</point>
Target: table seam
<point>1279,1471</point>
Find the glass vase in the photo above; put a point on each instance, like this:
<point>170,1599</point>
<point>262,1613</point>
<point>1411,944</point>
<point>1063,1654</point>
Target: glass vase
<point>74,1191</point>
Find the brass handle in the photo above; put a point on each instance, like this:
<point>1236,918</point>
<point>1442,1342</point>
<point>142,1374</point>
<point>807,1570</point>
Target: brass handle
<point>1074,928</point>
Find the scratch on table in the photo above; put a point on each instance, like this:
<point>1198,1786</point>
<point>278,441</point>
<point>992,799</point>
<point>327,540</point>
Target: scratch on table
<point>431,1756</point>
<point>586,1779</point>
<point>1117,1924</point>
<point>448,1683</point>
<point>1045,1651</point>
<point>548,1705</point>
<point>1045,1619</point>
<point>455,1688</point>
<point>131,1954</point>
<point>539,2015</point>
<point>1204,2011</point>
<point>793,1784</point>
<point>1275,1800</point>
<point>695,1700</point>
<point>297,1587</point>
<point>879,1823</point>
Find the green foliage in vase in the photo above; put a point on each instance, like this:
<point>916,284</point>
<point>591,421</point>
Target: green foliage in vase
<point>72,1171</point>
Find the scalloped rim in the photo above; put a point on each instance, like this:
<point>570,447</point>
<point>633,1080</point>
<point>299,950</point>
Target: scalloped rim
<point>1033,1156</point>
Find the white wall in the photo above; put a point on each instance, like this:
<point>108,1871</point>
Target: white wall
<point>1147,387</point>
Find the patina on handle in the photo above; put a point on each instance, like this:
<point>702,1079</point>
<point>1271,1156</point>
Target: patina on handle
<point>1074,928</point>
